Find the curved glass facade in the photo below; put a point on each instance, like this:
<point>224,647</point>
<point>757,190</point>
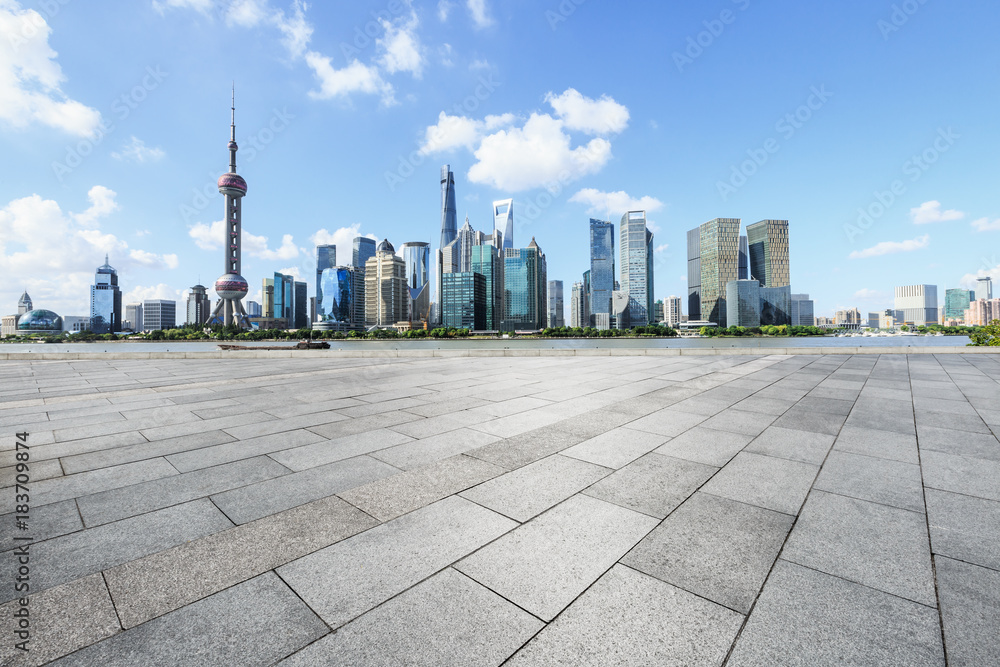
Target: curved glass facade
<point>337,303</point>
<point>417,257</point>
<point>40,320</point>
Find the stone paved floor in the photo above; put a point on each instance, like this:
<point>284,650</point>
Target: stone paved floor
<point>774,510</point>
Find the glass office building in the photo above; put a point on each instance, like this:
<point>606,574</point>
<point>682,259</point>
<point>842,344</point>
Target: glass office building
<point>956,302</point>
<point>768,245</point>
<point>557,317</point>
<point>775,306</point>
<point>602,266</point>
<point>503,221</point>
<point>636,268</point>
<point>486,261</point>
<point>301,305</point>
<point>105,301</point>
<point>449,214</point>
<point>417,257</point>
<point>338,309</point>
<point>524,288</point>
<point>717,263</point>
<point>284,299</point>
<point>362,249</point>
<point>463,300</point>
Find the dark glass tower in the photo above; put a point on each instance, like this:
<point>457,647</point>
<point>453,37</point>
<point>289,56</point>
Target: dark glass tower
<point>602,266</point>
<point>449,215</point>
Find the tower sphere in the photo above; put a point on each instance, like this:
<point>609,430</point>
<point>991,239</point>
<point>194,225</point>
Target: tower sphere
<point>231,286</point>
<point>232,184</point>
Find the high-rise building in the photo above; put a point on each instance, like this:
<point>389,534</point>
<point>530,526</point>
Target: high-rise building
<point>488,262</point>
<point>339,310</point>
<point>326,258</point>
<point>300,307</point>
<point>363,249</point>
<point>586,318</point>
<point>658,313</point>
<point>984,288</point>
<point>253,309</point>
<point>463,300</point>
<point>956,302</point>
<point>636,267</point>
<point>850,317</point>
<point>524,288</point>
<point>713,262</point>
<point>982,311</point>
<point>602,266</point>
<point>768,246</point>
<point>802,311</point>
<point>672,311</point>
<point>386,296</point>
<point>575,304</point>
<point>918,304</point>
<point>199,307</point>
<point>743,303</point>
<point>466,239</point>
<point>267,298</point>
<point>105,301</point>
<point>557,316</point>
<point>416,257</point>
<point>776,306</point>
<point>24,303</point>
<point>503,221</point>
<point>449,214</point>
<point>159,314</point>
<point>133,317</point>
<point>284,299</point>
<point>231,287</point>
<point>744,270</point>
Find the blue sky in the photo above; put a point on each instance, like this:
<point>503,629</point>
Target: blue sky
<point>869,124</point>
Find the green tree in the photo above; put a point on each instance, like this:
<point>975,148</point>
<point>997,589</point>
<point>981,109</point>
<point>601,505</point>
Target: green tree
<point>988,335</point>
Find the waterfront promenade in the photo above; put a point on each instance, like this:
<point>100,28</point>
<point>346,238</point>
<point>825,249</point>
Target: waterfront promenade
<point>707,509</point>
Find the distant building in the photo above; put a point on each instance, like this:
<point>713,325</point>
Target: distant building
<point>984,288</point>
<point>503,221</point>
<point>343,296</point>
<point>386,297</point>
<point>850,317</point>
<point>557,317</point>
<point>802,311</point>
<point>575,304</point>
<point>672,315</point>
<point>39,321</point>
<point>465,240</point>
<point>776,306</point>
<point>636,267</point>
<point>602,267</point>
<point>24,304</point>
<point>253,309</point>
<point>282,298</point>
<point>713,262</point>
<point>918,304</point>
<point>982,311</point>
<point>363,249</point>
<point>300,308</point>
<point>956,302</point>
<point>105,301</point>
<point>159,314</point>
<point>487,260</point>
<point>463,300</point>
<point>326,258</point>
<point>133,317</point>
<point>524,288</point>
<point>199,307</point>
<point>449,212</point>
<point>768,245</point>
<point>77,323</point>
<point>743,303</point>
<point>416,257</point>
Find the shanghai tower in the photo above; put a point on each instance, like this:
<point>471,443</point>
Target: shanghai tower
<point>232,287</point>
<point>449,215</point>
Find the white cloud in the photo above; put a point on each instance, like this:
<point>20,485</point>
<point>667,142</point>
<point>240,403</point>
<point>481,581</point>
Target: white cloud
<point>247,13</point>
<point>453,132</point>
<point>480,13</point>
<point>930,211</point>
<point>444,9</point>
<point>615,204</point>
<point>581,113</point>
<point>892,247</point>
<point>401,49</point>
<point>343,238</point>
<point>152,260</point>
<point>208,237</point>
<point>203,6</point>
<point>969,280</point>
<point>984,225</point>
<point>479,64</point>
<point>354,78</point>
<point>30,77</point>
<point>139,294</point>
<point>295,30</point>
<point>661,248</point>
<point>102,204</point>
<point>137,151</point>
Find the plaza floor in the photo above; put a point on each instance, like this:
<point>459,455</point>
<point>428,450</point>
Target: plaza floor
<point>691,510</point>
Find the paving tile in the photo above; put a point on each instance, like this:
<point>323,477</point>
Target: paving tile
<point>149,587</point>
<point>972,445</point>
<point>879,480</point>
<point>117,504</point>
<point>446,620</point>
<point>364,424</point>
<point>271,496</point>
<point>970,612</point>
<point>143,451</point>
<point>972,477</point>
<point>529,491</point>
<point>805,617</point>
<point>312,454</point>
<point>945,420</point>
<point>875,545</point>
<point>78,554</point>
<point>505,427</point>
<point>85,483</point>
<point>70,447</point>
<point>255,623</point>
<point>877,443</point>
<point>770,406</point>
<point>705,445</point>
<point>346,579</point>
<point>792,444</point>
<point>717,548</point>
<point>617,448</point>
<point>654,484</point>
<point>63,619</point>
<point>668,421</point>
<point>964,527</point>
<point>255,430</point>
<point>833,406</point>
<point>546,563</point>
<point>943,405</point>
<point>190,428</point>
<point>610,624</point>
<point>700,406</point>
<point>433,448</point>
<point>802,419</point>
<point>45,522</point>
<point>765,481</point>
<point>528,447</point>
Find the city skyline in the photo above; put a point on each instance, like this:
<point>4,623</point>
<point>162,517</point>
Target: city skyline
<point>883,183</point>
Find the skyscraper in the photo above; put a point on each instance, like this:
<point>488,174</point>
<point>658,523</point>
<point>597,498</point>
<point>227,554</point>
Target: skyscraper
<point>338,309</point>
<point>105,301</point>
<point>232,287</point>
<point>768,244</point>
<point>463,300</point>
<point>917,304</point>
<point>956,302</point>
<point>717,263</point>
<point>984,288</point>
<point>284,299</point>
<point>557,317</point>
<point>133,317</point>
<point>503,221</point>
<point>466,239</point>
<point>636,267</point>
<point>744,258</point>
<point>326,258</point>
<point>576,305</point>
<point>672,311</point>
<point>386,297</point>
<point>524,288</point>
<point>363,249</point>
<point>487,261</point>
<point>198,305</point>
<point>416,257</point>
<point>449,215</point>
<point>300,305</point>
<point>159,314</point>
<point>24,303</point>
<point>602,266</point>
<point>802,311</point>
<point>743,303</point>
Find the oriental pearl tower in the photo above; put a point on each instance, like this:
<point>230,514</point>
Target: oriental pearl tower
<point>232,286</point>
